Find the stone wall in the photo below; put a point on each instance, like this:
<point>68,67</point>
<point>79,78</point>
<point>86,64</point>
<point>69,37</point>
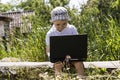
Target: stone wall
<point>1,28</point>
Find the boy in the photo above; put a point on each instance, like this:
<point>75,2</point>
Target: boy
<point>60,18</point>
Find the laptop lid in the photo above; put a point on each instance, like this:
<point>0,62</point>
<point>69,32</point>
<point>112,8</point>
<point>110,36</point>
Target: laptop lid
<point>73,45</point>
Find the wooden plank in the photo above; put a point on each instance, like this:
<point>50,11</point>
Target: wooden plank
<point>25,64</point>
<point>96,64</point>
<point>102,64</point>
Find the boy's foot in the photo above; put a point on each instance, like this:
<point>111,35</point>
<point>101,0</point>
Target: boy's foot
<point>81,78</point>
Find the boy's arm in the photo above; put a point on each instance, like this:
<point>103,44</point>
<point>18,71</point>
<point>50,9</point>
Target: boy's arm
<point>74,30</point>
<point>48,51</point>
<point>47,44</point>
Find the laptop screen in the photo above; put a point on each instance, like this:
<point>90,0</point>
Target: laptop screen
<point>73,45</point>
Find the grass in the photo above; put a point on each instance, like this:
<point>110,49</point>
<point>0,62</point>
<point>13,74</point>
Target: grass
<point>47,73</point>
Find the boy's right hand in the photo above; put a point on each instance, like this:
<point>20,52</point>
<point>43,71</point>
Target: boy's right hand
<point>68,57</point>
<point>48,54</point>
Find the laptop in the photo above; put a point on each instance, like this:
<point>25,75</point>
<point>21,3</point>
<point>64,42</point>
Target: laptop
<point>72,45</point>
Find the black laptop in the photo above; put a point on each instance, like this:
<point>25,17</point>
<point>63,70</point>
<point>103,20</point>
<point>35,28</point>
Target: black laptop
<point>73,45</point>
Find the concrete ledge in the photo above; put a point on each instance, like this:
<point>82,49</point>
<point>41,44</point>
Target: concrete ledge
<point>96,64</point>
<point>102,64</point>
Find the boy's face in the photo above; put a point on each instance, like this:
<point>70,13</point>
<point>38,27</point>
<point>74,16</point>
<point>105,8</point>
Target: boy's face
<point>60,24</point>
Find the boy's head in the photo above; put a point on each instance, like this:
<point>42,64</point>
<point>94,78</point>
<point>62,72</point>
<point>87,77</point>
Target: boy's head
<point>59,17</point>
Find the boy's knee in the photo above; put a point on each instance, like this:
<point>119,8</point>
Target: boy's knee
<point>58,64</point>
<point>77,64</point>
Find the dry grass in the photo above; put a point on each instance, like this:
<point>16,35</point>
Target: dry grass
<point>47,73</point>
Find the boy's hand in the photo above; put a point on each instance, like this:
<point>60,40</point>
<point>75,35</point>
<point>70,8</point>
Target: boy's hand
<point>68,57</point>
<point>48,54</point>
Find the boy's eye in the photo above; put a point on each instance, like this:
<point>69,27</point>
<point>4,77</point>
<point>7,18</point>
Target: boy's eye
<point>58,24</point>
<point>64,23</point>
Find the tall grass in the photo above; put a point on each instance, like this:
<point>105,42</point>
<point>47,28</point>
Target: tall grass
<point>102,30</point>
<point>103,40</point>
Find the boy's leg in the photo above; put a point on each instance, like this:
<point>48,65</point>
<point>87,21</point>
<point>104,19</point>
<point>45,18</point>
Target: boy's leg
<point>79,68</point>
<point>58,67</point>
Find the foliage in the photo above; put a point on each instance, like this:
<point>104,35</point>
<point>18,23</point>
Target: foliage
<point>5,7</point>
<point>100,19</point>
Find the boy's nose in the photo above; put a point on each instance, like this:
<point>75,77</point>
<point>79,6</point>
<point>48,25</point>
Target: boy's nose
<point>61,26</point>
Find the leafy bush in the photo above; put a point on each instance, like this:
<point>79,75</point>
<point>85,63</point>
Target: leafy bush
<point>99,19</point>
